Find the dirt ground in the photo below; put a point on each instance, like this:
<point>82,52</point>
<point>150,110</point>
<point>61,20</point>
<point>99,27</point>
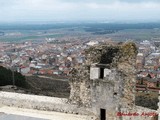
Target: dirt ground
<point>42,86</point>
<point>49,87</point>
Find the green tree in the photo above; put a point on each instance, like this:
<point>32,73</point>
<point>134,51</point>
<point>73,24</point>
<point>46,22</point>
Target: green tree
<point>6,78</point>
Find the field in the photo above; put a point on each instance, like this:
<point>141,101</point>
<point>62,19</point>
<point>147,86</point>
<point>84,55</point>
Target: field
<point>117,32</point>
<point>136,34</point>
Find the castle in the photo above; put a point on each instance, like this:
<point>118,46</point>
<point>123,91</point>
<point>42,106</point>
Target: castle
<point>106,82</point>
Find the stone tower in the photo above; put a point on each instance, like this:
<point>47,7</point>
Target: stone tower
<point>106,81</point>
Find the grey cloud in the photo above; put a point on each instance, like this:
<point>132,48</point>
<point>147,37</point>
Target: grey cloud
<point>78,9</point>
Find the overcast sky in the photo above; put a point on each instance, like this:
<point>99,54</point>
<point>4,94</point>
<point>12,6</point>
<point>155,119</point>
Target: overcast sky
<point>79,10</point>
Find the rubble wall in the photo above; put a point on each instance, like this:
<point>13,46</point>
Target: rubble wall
<point>116,91</point>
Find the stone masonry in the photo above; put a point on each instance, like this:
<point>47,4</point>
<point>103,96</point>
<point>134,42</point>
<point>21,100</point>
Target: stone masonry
<point>106,82</point>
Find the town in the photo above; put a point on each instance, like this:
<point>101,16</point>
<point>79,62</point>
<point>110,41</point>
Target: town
<point>54,58</point>
<point>148,66</point>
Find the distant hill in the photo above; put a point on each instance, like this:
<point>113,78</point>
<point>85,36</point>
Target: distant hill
<point>87,26</point>
<point>115,31</point>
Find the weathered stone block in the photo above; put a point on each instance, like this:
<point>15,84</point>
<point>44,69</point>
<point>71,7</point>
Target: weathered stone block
<point>94,73</point>
<point>106,72</point>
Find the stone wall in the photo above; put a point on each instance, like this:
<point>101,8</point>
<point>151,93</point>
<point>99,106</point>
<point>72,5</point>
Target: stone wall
<point>106,93</point>
<point>114,90</point>
<point>80,93</point>
<point>40,103</point>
